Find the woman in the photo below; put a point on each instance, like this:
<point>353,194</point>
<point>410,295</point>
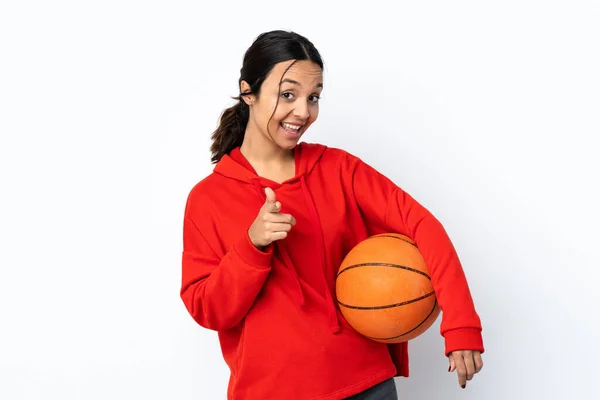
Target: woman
<point>266,231</point>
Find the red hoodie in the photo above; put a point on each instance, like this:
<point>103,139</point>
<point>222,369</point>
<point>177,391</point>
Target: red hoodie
<point>281,333</point>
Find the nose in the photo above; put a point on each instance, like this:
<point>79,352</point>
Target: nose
<point>301,110</point>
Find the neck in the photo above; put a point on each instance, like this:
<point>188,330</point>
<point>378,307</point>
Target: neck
<point>259,149</point>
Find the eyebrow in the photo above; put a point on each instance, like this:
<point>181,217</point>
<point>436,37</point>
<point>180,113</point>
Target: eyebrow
<point>293,82</point>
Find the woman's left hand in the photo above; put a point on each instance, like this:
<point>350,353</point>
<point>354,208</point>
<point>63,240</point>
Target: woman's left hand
<point>466,363</point>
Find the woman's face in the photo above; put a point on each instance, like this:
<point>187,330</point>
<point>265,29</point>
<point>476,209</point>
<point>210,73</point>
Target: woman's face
<point>295,101</point>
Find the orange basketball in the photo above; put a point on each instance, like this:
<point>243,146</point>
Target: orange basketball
<point>384,289</point>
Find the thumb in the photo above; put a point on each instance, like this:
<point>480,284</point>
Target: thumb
<point>270,195</point>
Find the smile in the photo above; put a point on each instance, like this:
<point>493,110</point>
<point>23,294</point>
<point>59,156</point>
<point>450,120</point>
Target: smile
<point>291,127</point>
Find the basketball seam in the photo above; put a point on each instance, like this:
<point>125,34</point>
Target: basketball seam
<point>393,237</point>
<point>412,330</point>
<point>376,264</point>
<point>404,303</point>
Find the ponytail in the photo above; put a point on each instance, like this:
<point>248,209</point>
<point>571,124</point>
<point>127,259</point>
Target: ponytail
<point>230,132</point>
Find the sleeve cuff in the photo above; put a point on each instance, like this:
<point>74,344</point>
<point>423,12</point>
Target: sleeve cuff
<point>251,255</point>
<point>463,339</point>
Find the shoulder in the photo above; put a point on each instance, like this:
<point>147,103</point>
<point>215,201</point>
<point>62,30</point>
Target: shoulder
<point>201,199</point>
<point>342,155</point>
<point>347,164</point>
<point>331,154</point>
<point>203,188</point>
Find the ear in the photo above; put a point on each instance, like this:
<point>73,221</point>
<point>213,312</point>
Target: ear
<point>245,87</point>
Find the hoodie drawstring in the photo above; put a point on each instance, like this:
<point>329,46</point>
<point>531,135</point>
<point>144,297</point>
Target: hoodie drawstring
<point>288,262</point>
<point>333,318</point>
<point>314,217</point>
<point>282,249</point>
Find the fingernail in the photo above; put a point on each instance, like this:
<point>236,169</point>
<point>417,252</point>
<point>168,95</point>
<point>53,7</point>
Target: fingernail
<point>449,368</point>
<point>463,386</point>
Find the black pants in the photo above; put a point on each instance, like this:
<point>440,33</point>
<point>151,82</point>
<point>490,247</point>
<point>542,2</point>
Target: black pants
<point>386,390</point>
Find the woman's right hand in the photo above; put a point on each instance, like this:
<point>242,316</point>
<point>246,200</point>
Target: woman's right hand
<point>270,225</point>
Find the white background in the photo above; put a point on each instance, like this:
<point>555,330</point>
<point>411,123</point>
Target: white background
<point>486,112</point>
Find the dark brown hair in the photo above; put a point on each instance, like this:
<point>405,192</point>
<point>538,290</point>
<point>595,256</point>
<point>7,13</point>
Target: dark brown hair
<point>267,50</point>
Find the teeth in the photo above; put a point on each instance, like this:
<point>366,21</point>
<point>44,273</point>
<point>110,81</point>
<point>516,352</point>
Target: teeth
<point>292,127</point>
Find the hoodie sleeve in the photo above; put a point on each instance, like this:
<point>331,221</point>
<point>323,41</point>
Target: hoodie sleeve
<point>387,208</point>
<point>218,291</point>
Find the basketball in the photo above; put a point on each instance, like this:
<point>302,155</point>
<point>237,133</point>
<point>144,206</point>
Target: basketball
<point>384,289</point>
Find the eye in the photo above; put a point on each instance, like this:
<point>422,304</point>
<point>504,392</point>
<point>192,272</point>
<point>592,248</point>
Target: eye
<point>314,98</point>
<point>287,95</point>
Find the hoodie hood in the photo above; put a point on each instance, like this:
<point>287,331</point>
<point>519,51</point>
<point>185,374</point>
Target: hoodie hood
<point>235,166</point>
<point>306,157</point>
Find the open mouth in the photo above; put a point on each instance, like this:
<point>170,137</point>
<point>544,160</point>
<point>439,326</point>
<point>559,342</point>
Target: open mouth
<point>292,130</point>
